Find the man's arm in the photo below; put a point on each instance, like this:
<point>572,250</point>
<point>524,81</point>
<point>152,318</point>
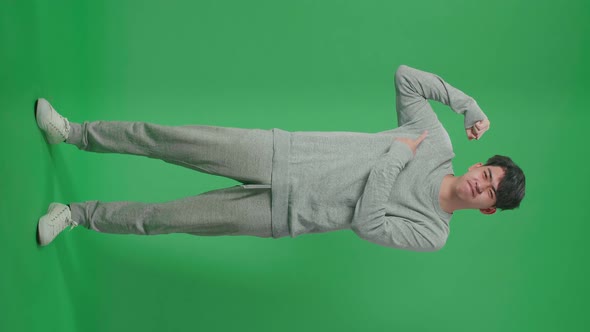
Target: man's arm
<point>414,87</point>
<point>370,222</point>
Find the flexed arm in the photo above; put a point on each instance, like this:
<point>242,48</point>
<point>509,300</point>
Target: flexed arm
<point>414,87</point>
<point>370,222</point>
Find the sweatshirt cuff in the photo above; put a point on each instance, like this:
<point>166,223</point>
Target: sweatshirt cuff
<point>473,113</point>
<point>401,151</point>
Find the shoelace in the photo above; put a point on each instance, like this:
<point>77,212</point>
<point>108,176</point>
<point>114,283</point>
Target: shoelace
<point>66,122</point>
<point>67,125</point>
<point>69,222</point>
<point>72,224</point>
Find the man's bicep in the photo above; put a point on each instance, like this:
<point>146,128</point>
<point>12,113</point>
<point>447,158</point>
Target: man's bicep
<point>417,84</point>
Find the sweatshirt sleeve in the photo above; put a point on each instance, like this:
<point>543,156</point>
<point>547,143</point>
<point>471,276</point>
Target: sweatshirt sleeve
<point>369,220</point>
<point>414,87</point>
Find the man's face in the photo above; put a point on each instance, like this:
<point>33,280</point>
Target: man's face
<point>477,188</point>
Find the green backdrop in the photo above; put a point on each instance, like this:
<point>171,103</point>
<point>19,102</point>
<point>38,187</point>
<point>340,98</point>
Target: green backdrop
<point>298,66</point>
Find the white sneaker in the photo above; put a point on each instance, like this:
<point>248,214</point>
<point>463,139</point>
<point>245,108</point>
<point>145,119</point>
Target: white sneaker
<point>55,126</point>
<point>58,217</point>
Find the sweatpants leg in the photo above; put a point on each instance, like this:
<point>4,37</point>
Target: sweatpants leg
<point>244,155</point>
<point>228,211</point>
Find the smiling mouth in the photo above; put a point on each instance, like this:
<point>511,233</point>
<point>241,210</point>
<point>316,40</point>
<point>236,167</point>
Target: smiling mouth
<point>471,186</point>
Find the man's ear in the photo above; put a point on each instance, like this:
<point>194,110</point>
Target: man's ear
<point>491,210</point>
<point>475,166</point>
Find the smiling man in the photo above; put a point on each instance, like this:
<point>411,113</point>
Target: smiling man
<point>395,188</point>
<point>478,188</point>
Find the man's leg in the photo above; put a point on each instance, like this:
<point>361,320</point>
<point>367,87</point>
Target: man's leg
<point>244,155</point>
<point>228,211</point>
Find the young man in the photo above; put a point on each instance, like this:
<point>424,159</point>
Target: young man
<point>395,188</point>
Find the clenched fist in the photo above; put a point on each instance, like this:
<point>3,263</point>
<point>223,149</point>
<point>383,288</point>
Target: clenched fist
<point>478,129</point>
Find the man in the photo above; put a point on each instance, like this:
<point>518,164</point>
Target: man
<point>394,188</point>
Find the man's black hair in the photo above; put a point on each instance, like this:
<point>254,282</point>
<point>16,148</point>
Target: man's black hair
<point>511,187</point>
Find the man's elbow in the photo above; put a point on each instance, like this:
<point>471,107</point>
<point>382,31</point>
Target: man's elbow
<point>400,71</point>
<point>403,79</point>
<point>429,245</point>
<point>424,245</point>
<point>436,245</point>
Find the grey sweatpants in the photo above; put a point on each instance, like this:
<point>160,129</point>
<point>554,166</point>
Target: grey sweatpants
<point>241,154</point>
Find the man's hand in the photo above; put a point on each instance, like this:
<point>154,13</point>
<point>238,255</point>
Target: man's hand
<point>478,129</point>
<point>413,144</point>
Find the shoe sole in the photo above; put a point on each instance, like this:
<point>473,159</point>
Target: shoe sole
<point>36,107</point>
<point>38,233</point>
<point>37,121</point>
<point>38,236</point>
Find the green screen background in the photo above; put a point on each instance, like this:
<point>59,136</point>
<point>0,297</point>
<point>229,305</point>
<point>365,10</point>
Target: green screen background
<point>298,66</point>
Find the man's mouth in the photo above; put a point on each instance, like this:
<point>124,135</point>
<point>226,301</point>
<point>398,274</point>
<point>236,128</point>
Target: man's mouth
<point>472,190</point>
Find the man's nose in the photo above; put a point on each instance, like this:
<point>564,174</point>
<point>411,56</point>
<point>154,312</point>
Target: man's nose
<point>482,186</point>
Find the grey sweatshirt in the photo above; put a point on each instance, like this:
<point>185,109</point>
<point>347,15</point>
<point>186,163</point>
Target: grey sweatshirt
<point>369,182</point>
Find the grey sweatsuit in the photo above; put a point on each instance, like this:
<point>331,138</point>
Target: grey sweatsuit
<point>318,181</point>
